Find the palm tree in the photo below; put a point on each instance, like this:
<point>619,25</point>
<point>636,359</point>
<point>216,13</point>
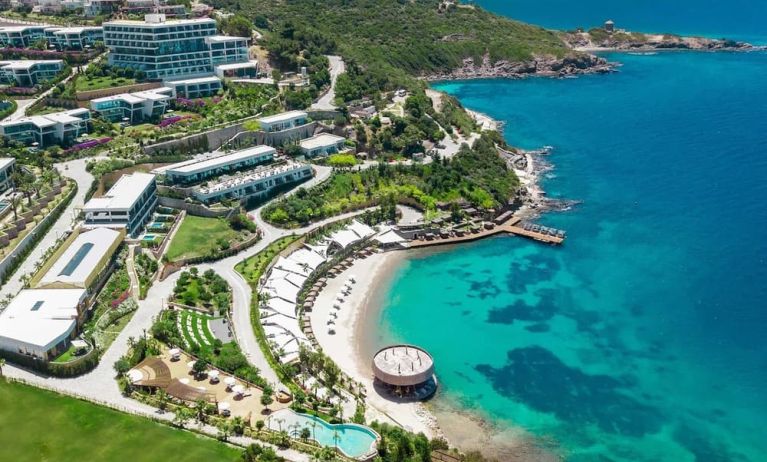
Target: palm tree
<point>314,433</point>
<point>199,406</point>
<point>182,416</point>
<point>336,438</point>
<point>162,399</point>
<point>224,430</point>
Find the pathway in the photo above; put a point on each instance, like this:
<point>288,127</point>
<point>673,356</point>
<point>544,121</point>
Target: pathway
<point>75,170</point>
<point>100,385</point>
<point>325,103</point>
<point>130,265</point>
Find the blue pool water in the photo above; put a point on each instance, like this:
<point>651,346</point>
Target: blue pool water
<point>642,338</point>
<point>354,440</point>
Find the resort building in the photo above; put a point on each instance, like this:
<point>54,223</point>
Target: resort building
<point>322,145</point>
<point>74,38</point>
<point>406,370</point>
<point>28,73</point>
<point>195,88</point>
<point>128,204</point>
<point>7,165</point>
<point>238,70</point>
<point>149,6</point>
<point>283,121</point>
<point>93,8</point>
<point>21,36</point>
<point>81,261</point>
<point>40,322</point>
<point>257,184</point>
<point>197,170</point>
<point>171,49</point>
<point>46,130</point>
<point>134,107</point>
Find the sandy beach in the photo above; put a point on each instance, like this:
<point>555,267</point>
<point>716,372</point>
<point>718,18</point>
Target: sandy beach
<point>348,345</point>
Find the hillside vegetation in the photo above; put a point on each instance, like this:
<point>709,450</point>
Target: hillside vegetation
<point>399,38</point>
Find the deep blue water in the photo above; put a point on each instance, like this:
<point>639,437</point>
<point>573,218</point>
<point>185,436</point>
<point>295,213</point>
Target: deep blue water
<point>738,19</point>
<point>643,337</point>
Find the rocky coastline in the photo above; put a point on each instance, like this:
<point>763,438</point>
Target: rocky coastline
<point>621,40</point>
<point>540,66</point>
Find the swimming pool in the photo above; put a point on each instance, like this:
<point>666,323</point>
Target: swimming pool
<point>149,237</point>
<point>352,439</point>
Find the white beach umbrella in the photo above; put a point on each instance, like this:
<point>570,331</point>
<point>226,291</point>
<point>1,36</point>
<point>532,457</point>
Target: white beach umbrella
<point>174,352</point>
<point>353,278</point>
<point>238,389</point>
<point>229,381</point>
<point>223,406</point>
<point>213,374</point>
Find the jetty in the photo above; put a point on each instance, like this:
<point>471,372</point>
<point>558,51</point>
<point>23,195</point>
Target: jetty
<point>511,225</point>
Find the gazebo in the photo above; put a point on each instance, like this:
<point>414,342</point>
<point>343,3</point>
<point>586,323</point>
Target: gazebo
<point>406,370</point>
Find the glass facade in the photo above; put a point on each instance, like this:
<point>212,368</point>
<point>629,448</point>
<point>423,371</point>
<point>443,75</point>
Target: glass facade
<point>171,49</point>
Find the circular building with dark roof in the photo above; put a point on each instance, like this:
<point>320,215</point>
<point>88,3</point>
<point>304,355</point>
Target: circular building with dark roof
<point>406,370</point>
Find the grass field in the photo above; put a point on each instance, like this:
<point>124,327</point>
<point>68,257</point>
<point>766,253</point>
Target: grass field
<point>98,83</point>
<point>38,425</point>
<point>202,337</point>
<point>198,236</point>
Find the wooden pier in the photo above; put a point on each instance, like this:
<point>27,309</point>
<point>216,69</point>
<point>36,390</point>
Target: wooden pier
<point>510,226</point>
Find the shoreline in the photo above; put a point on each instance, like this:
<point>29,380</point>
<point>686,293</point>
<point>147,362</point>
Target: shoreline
<point>353,340</point>
<point>356,338</point>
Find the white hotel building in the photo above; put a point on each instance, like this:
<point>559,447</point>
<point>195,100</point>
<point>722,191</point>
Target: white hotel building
<point>128,204</point>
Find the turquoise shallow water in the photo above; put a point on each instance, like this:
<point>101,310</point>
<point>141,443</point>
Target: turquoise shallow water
<point>642,338</point>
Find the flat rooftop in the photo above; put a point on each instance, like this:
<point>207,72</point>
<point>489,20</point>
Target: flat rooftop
<point>41,317</point>
<point>229,67</point>
<point>403,361</point>
<point>156,94</point>
<point>48,120</point>
<point>82,257</point>
<point>198,80</point>
<point>190,167</point>
<point>72,30</point>
<point>253,176</point>
<point>27,63</point>
<point>167,22</point>
<point>224,38</point>
<point>321,141</point>
<point>290,115</point>
<point>123,194</point>
<point>6,162</point>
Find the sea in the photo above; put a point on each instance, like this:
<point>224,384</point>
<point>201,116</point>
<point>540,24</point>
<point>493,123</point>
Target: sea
<point>642,338</point>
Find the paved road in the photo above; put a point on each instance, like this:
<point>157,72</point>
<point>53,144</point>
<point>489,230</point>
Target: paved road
<point>100,385</point>
<point>74,169</point>
<point>325,103</point>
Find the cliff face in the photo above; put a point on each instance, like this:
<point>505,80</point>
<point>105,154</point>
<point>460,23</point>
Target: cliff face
<point>623,40</point>
<point>576,63</point>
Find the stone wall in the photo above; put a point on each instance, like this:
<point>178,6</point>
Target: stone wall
<point>214,139</point>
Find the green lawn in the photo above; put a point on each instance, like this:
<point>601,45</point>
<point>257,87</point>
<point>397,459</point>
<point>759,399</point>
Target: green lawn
<point>97,83</point>
<point>195,335</point>
<point>198,236</point>
<point>42,426</point>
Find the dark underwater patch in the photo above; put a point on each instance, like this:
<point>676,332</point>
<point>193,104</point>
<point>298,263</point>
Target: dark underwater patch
<point>703,446</point>
<point>483,289</point>
<point>536,377</point>
<point>544,310</point>
<point>538,327</point>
